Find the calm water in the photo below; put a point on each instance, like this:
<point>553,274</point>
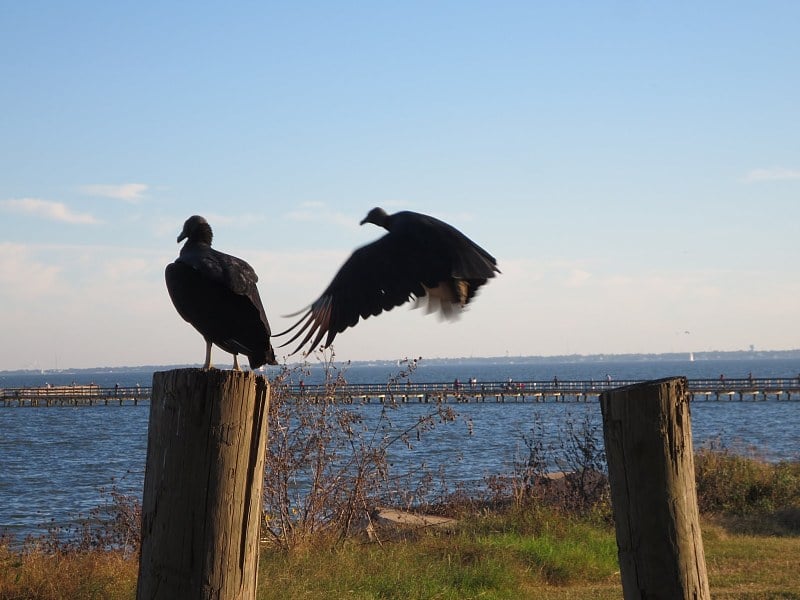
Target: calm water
<point>56,460</point>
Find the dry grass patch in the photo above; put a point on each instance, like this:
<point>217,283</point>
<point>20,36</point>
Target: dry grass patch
<point>37,575</point>
<point>745,566</point>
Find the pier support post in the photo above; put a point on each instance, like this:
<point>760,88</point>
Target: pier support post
<point>648,441</point>
<point>201,509</point>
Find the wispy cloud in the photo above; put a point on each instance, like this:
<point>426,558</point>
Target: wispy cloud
<point>45,209</point>
<point>129,192</point>
<point>317,211</point>
<point>577,278</point>
<point>24,276</point>
<point>240,220</point>
<point>771,174</point>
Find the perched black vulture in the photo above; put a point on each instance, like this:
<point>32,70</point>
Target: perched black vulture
<point>420,257</point>
<point>217,294</point>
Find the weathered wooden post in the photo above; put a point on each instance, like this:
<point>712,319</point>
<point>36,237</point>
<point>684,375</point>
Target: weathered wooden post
<point>648,441</point>
<point>203,485</point>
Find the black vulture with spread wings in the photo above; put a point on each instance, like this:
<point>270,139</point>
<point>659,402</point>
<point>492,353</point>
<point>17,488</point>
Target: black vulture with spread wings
<point>217,294</point>
<point>419,258</point>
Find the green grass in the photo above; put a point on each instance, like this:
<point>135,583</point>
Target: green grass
<point>751,566</point>
<point>470,563</point>
<point>560,561</point>
<point>536,553</point>
<point>751,536</point>
<point>426,567</point>
<point>487,558</point>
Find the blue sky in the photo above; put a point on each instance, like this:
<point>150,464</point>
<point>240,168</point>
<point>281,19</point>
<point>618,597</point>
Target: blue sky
<point>634,167</point>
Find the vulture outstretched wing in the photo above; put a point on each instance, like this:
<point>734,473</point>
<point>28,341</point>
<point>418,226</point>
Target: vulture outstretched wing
<point>419,257</point>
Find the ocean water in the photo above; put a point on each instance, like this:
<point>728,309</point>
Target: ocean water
<point>56,461</point>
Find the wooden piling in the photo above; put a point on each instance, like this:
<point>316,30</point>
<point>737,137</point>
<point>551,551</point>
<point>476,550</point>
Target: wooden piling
<point>202,500</point>
<point>648,441</point>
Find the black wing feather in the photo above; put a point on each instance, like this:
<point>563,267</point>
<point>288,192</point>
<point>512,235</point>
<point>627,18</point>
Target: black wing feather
<point>376,277</point>
<point>419,252</point>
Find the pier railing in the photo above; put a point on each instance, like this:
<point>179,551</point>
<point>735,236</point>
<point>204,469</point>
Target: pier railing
<point>540,391</point>
<point>73,395</point>
<point>555,390</point>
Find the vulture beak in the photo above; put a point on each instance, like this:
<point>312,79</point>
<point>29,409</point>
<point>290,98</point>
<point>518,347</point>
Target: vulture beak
<point>182,236</point>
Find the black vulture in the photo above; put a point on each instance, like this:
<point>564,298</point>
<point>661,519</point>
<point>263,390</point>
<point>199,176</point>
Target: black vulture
<point>420,257</point>
<point>217,294</point>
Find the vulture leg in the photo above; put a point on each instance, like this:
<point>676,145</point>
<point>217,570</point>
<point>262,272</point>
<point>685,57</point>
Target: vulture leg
<point>208,364</point>
<point>236,363</point>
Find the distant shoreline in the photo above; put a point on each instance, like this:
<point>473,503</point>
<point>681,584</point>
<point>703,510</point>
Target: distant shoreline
<point>464,360</point>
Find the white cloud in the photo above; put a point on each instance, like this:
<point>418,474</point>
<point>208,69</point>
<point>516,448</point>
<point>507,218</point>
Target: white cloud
<point>241,220</point>
<point>771,174</point>
<point>24,276</point>
<point>577,278</point>
<point>130,192</point>
<point>313,204</point>
<point>54,211</point>
<point>317,212</point>
<point>536,306</point>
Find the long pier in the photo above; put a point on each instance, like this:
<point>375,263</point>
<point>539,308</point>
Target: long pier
<point>746,389</point>
<point>74,395</point>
